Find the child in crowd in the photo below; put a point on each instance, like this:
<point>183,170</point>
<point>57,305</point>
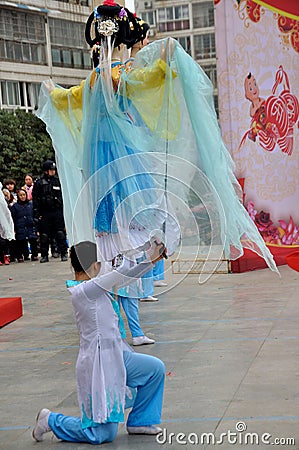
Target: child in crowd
<point>10,251</point>
<point>25,230</point>
<point>11,185</point>
<point>4,252</point>
<point>10,199</point>
<point>6,229</point>
<point>28,186</point>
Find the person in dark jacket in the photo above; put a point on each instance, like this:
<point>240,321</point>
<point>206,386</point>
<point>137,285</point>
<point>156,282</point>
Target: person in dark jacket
<point>25,229</point>
<point>48,211</point>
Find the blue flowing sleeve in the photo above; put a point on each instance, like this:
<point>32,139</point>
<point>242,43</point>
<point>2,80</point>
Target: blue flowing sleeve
<point>198,167</point>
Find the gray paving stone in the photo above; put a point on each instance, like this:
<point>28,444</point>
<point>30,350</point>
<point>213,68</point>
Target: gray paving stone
<point>230,347</point>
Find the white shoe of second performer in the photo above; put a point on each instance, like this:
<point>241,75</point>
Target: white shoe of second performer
<point>149,298</point>
<point>151,429</point>
<point>160,283</point>
<point>142,340</point>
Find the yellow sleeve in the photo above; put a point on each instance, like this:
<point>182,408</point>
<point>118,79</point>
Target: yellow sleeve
<point>149,77</point>
<point>157,106</point>
<point>63,98</point>
<point>68,103</point>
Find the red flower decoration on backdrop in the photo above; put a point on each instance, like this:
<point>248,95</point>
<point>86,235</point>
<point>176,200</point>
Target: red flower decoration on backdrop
<point>266,228</point>
<point>289,232</point>
<point>285,234</point>
<point>263,221</point>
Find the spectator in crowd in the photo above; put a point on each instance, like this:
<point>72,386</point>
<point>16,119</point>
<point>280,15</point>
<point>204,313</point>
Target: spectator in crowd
<point>9,197</point>
<point>6,229</point>
<point>48,210</point>
<point>10,184</point>
<point>4,251</point>
<point>10,253</point>
<point>28,186</point>
<point>25,229</point>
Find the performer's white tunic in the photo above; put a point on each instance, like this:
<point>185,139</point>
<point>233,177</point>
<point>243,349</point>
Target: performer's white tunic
<point>100,370</point>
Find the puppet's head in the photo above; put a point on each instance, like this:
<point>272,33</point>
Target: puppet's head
<point>109,26</point>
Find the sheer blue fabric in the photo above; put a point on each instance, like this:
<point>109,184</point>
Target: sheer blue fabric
<point>147,155</point>
<point>205,175</point>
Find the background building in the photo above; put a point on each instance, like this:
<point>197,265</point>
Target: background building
<point>40,39</point>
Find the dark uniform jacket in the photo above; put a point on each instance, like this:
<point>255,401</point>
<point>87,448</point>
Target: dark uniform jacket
<point>47,196</point>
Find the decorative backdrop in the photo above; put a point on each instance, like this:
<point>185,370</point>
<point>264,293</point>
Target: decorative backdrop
<point>257,46</point>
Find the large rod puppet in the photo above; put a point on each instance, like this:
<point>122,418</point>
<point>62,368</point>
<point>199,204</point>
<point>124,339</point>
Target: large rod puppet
<point>134,142</point>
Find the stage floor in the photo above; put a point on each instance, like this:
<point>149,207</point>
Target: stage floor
<point>230,347</point>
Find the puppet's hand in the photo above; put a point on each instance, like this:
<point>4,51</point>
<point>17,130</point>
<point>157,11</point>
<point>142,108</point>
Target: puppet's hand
<point>167,50</point>
<point>49,85</point>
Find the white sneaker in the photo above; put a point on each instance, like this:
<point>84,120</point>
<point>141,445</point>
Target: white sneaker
<point>160,283</point>
<point>142,340</point>
<point>41,425</point>
<point>151,429</point>
<point>150,298</point>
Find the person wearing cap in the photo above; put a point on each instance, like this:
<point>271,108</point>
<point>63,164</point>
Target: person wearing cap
<point>48,211</point>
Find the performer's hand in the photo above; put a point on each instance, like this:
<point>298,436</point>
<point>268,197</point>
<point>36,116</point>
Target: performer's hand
<point>49,85</point>
<point>157,251</point>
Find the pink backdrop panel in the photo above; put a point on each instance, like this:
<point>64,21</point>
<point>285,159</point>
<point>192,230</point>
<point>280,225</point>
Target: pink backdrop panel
<point>258,66</point>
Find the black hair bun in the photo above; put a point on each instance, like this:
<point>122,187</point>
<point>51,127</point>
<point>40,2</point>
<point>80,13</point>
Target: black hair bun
<point>109,11</point>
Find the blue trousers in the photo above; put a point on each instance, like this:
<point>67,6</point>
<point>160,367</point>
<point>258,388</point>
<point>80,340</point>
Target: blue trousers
<point>130,307</point>
<point>147,284</point>
<point>155,274</point>
<point>158,270</point>
<point>144,372</point>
